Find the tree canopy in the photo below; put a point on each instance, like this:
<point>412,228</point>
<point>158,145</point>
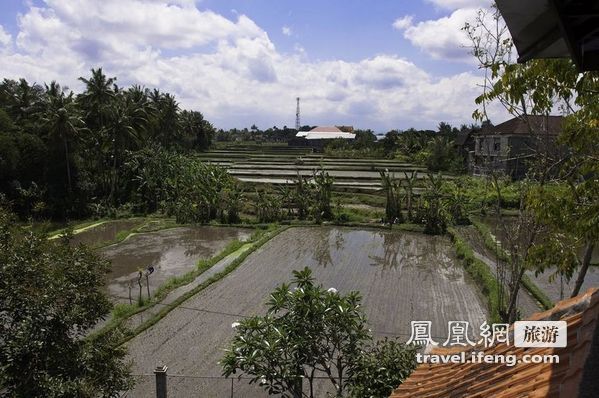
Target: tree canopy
<point>50,297</point>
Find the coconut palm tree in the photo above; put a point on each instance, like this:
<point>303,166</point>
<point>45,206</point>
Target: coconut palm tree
<point>63,121</point>
<point>25,101</point>
<point>98,97</point>
<point>125,127</point>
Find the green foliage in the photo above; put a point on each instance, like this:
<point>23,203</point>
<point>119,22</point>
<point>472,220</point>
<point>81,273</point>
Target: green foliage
<point>305,329</point>
<point>432,209</point>
<point>230,201</point>
<point>481,274</point>
<point>323,186</point>
<point>442,156</point>
<point>302,196</point>
<point>51,296</point>
<point>392,188</point>
<point>381,368</point>
<point>457,202</point>
<point>193,193</point>
<point>268,206</point>
<point>491,244</point>
<point>78,149</point>
<point>567,207</point>
<point>363,146</point>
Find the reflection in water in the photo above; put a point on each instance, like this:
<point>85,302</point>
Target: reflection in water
<point>402,275</point>
<point>330,240</point>
<point>171,252</point>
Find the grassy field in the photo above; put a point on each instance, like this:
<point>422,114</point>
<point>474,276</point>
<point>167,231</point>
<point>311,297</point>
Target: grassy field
<point>402,276</point>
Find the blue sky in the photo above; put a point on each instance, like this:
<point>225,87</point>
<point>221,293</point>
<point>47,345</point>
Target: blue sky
<point>373,64</point>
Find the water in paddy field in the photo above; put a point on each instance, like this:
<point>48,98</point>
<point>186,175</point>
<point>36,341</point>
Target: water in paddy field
<point>555,288</point>
<point>172,252</point>
<point>401,277</point>
<point>105,232</point>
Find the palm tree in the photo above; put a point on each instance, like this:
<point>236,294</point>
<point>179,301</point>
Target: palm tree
<point>62,119</point>
<point>98,96</point>
<point>25,101</point>
<point>125,126</point>
<point>166,121</point>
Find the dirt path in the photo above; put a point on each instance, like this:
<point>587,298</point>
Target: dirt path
<point>402,277</point>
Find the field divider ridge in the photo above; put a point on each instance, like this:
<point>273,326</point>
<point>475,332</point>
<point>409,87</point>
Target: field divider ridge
<point>171,295</point>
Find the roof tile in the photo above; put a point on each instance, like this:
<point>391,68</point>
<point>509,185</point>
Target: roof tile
<point>561,379</point>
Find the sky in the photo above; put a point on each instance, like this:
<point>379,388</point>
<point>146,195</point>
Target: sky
<point>378,64</point>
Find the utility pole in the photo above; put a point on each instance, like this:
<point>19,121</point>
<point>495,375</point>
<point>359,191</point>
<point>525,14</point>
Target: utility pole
<point>297,116</point>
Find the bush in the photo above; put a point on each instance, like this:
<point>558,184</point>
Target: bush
<point>51,295</point>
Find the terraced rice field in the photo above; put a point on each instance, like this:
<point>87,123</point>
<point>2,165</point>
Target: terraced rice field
<point>402,277</point>
<point>280,165</point>
<point>172,252</point>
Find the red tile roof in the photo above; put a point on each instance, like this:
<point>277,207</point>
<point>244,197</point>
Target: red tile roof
<point>325,129</point>
<point>576,374</point>
<point>523,125</point>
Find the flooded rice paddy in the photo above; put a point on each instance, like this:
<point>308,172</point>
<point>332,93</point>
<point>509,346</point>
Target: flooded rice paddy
<point>170,252</point>
<point>402,277</point>
<point>105,232</point>
<point>555,287</point>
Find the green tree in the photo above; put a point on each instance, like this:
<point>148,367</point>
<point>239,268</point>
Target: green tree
<point>51,296</point>
<point>563,199</point>
<point>125,124</point>
<point>309,331</point>
<point>382,367</point>
<point>64,123</point>
<point>392,189</point>
<point>323,187</point>
<point>434,212</point>
<point>197,131</point>
<point>97,98</point>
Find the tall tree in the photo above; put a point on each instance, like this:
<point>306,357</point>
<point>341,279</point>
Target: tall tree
<point>63,121</point>
<point>97,98</point>
<point>562,198</point>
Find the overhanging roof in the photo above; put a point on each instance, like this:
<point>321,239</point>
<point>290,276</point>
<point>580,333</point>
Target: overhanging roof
<point>554,29</point>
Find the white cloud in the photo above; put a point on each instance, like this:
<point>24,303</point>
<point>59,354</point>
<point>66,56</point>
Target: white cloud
<point>455,4</point>
<point>229,70</point>
<point>286,30</point>
<point>443,38</point>
<point>5,38</point>
<point>403,22</point>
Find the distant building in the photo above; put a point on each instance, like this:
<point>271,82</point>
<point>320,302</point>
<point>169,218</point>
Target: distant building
<point>464,143</point>
<point>320,136</point>
<point>509,147</point>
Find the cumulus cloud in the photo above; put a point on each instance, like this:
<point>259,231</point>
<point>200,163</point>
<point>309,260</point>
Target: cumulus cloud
<point>228,69</point>
<point>443,38</point>
<point>403,22</point>
<point>5,38</point>
<point>286,30</point>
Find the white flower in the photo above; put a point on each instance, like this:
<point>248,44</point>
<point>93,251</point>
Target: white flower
<point>263,380</point>
<point>235,324</point>
<point>332,290</point>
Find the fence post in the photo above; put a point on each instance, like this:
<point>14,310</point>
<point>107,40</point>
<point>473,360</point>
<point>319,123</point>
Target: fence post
<point>160,373</point>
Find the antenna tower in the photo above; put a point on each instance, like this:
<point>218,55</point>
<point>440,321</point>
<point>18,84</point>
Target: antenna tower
<point>297,116</point>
